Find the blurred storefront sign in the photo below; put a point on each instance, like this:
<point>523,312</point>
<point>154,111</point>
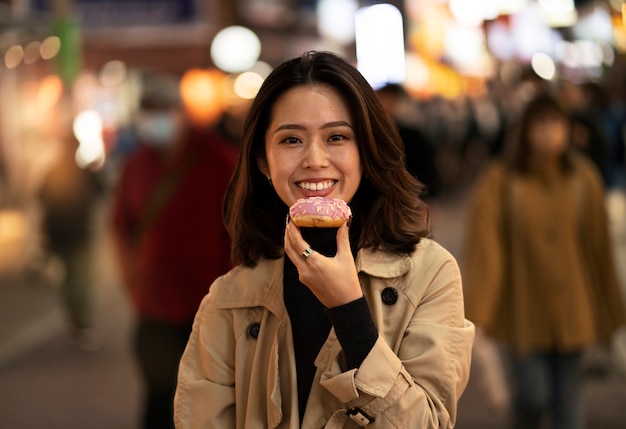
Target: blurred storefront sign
<point>128,12</point>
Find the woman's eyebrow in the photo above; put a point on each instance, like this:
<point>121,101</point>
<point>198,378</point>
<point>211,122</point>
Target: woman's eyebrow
<point>301,127</point>
<point>289,127</point>
<point>337,124</point>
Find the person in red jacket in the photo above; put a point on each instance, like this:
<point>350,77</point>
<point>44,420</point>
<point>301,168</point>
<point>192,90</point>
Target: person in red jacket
<point>169,235</point>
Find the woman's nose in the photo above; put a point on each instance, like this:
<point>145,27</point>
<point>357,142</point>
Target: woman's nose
<point>316,155</point>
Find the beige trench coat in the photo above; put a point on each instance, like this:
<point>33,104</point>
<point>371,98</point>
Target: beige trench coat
<point>538,267</point>
<point>412,378</point>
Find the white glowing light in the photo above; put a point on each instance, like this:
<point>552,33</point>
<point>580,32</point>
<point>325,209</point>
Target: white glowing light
<point>510,7</point>
<point>559,13</point>
<point>543,65</point>
<point>235,49</point>
<point>465,46</point>
<point>88,130</point>
<point>473,13</point>
<point>380,44</point>
<point>335,19</point>
<point>247,85</point>
<point>500,41</point>
<point>582,54</point>
<point>595,25</point>
<point>531,34</point>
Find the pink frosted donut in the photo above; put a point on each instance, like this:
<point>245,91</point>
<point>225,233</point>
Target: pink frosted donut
<point>319,212</point>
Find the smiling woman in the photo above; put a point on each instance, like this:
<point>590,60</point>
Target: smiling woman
<point>358,324</point>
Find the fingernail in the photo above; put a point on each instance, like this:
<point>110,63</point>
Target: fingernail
<point>349,221</point>
<point>287,220</point>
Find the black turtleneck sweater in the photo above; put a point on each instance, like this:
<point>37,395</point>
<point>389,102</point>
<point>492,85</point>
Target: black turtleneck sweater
<point>311,321</point>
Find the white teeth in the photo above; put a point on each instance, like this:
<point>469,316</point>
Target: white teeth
<point>316,186</point>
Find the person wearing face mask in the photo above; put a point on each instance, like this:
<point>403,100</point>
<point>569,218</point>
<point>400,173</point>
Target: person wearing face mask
<point>538,266</point>
<point>169,238</point>
<point>158,129</point>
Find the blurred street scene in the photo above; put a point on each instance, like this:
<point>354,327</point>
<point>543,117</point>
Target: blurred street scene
<point>466,70</point>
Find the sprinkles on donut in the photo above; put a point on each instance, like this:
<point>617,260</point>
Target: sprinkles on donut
<point>319,212</point>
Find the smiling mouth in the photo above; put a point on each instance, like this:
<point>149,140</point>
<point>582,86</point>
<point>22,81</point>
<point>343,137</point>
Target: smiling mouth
<point>320,186</point>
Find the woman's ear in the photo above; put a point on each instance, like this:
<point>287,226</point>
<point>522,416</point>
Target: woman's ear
<point>262,164</point>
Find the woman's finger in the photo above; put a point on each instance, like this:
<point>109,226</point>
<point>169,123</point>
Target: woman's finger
<point>296,247</point>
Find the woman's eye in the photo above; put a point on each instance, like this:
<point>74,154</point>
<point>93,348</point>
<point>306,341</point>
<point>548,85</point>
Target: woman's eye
<point>291,140</point>
<point>336,138</point>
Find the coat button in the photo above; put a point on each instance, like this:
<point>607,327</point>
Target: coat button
<point>389,295</point>
<point>253,330</point>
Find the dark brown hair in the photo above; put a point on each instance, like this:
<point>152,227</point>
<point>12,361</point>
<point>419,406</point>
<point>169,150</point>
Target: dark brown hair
<point>388,213</point>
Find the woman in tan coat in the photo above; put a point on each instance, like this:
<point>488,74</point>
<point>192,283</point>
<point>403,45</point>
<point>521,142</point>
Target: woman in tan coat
<point>365,329</point>
<point>538,266</point>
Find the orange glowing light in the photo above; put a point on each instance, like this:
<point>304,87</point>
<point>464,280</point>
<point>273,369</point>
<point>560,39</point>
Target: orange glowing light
<point>202,91</point>
<point>49,92</point>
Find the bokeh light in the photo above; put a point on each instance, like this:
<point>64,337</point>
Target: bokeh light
<point>50,47</point>
<point>509,7</point>
<point>202,91</point>
<point>13,56</point>
<point>531,34</point>
<point>49,92</point>
<point>594,25</point>
<point>88,131</point>
<point>558,13</point>
<point>247,85</point>
<point>113,73</point>
<point>380,44</point>
<point>234,49</point>
<point>335,19</point>
<point>466,48</point>
<point>543,65</point>
<point>473,13</point>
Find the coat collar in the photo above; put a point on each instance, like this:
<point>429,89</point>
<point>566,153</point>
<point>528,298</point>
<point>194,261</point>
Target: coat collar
<point>259,286</point>
<point>378,263</point>
<point>262,286</point>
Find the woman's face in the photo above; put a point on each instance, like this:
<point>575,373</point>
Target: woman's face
<point>548,135</point>
<point>310,146</point>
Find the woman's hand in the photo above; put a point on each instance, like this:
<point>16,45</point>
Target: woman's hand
<point>334,280</point>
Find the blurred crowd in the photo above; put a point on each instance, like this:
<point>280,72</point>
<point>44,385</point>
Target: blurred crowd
<point>463,133</point>
<point>162,187</point>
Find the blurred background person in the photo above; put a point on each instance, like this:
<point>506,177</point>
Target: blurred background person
<point>68,197</point>
<point>420,153</point>
<point>587,132</point>
<point>169,237</point>
<point>538,265</point>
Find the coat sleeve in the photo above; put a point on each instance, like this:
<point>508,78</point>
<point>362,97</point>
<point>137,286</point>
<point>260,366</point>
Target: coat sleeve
<point>484,251</point>
<point>205,395</point>
<point>416,382</point>
<point>599,255</point>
